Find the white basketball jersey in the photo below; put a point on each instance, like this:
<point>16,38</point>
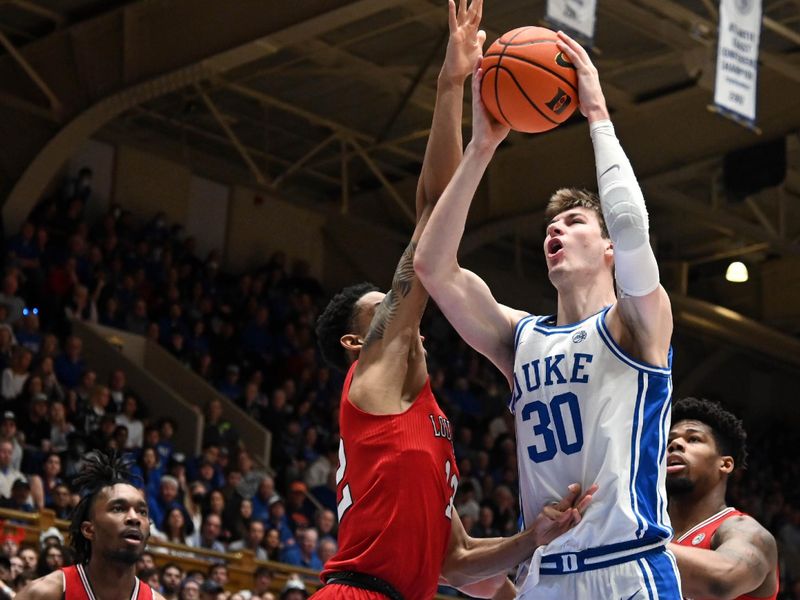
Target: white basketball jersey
<point>586,412</point>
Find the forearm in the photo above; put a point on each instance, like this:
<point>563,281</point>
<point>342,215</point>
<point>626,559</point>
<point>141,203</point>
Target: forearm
<point>482,558</point>
<point>438,246</point>
<point>712,575</point>
<point>444,149</point>
<point>625,213</point>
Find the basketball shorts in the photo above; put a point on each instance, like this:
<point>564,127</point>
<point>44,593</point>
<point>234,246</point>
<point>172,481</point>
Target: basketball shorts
<point>653,576</point>
<point>347,592</point>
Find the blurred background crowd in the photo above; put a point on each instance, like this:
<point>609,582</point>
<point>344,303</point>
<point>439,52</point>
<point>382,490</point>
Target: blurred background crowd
<point>251,336</point>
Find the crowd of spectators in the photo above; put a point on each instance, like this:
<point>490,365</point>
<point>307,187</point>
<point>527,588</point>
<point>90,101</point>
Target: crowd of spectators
<point>251,335</point>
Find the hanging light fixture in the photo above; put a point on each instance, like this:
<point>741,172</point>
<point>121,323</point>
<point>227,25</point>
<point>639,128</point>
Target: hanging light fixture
<point>737,272</point>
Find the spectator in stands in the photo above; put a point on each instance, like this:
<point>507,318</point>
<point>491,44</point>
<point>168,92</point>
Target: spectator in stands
<point>485,527</point>
<point>6,580</point>
<point>190,590</point>
<point>70,365</point>
<point>166,499</point>
<point>28,333</point>
<point>252,540</point>
<point>16,374</point>
<point>325,522</point>
<point>208,536</point>
<point>118,390</point>
<point>138,321</point>
<point>95,410</point>
<point>50,385</point>
<point>8,297</point>
<point>171,576</point>
<point>327,548</point>
<point>262,582</point>
<point>51,558</point>
<point>102,438</point>
<point>265,491</point>
<point>272,544</point>
<point>250,402</point>
<point>7,344</point>
<point>30,559</point>
<point>165,445</point>
<point>251,476</point>
<point>294,589</point>
<point>150,577</point>
<point>82,306</point>
<point>51,477</point>
<point>8,474</point>
<point>60,501</point>
<point>129,417</point>
<point>218,431</point>
<point>216,504</point>
<point>19,498</point>
<point>35,425</point>
<point>175,527</point>
<point>8,431</point>
<point>304,552</point>
<point>299,508</point>
<point>278,520</point>
<point>86,384</point>
<point>218,572</point>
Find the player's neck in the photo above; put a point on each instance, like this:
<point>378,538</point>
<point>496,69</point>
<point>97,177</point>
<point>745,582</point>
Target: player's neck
<point>579,302</point>
<point>110,580</point>
<point>686,511</point>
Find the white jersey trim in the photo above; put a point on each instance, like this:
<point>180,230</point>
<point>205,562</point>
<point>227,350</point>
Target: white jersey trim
<point>88,588</point>
<point>708,521</point>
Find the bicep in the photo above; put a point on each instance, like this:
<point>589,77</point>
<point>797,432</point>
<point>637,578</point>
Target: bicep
<point>485,324</point>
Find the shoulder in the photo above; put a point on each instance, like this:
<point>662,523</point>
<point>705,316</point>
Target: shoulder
<point>744,528</point>
<point>49,587</point>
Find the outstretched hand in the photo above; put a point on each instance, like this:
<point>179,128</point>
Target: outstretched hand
<point>590,94</point>
<point>465,44</point>
<point>559,517</point>
<point>487,131</point>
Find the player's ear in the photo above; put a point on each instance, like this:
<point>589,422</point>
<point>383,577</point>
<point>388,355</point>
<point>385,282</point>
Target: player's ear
<point>726,464</point>
<point>87,529</point>
<point>352,342</point>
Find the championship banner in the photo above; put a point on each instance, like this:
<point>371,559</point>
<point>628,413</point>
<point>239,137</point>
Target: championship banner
<point>576,16</point>
<point>737,58</point>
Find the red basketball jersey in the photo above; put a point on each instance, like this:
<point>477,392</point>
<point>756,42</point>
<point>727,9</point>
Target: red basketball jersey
<point>77,587</point>
<point>396,482</point>
<point>700,536</point>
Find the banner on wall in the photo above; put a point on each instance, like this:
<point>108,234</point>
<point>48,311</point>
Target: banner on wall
<point>736,81</point>
<point>574,16</point>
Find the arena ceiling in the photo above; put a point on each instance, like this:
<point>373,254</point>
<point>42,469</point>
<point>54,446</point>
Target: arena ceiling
<point>328,103</point>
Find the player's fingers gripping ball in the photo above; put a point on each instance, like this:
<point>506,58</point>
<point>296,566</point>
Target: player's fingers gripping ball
<point>528,83</point>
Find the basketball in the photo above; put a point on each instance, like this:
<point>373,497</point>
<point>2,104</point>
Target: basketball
<point>528,83</point>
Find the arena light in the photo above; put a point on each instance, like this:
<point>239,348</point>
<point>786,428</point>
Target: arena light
<point>737,272</point>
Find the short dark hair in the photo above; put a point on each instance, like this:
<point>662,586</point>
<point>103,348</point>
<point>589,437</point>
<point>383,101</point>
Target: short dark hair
<point>337,320</point>
<point>728,431</point>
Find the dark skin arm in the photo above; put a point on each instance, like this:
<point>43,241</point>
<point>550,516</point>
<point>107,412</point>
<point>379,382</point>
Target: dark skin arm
<point>743,560</point>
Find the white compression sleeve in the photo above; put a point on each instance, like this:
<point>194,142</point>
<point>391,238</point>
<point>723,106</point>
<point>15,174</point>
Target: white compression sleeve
<point>625,213</point>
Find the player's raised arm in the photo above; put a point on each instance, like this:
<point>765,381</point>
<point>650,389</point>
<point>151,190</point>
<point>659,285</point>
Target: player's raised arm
<point>643,307</point>
<point>463,297</point>
<point>741,562</point>
<point>394,331</point>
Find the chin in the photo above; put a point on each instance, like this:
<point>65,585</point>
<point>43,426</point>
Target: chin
<point>678,486</point>
<point>126,556</point>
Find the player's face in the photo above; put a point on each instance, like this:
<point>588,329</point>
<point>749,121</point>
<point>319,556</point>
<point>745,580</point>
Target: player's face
<point>574,244</point>
<point>119,525</point>
<point>693,460</point>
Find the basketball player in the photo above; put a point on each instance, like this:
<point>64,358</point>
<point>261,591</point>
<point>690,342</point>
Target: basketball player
<point>590,385</point>
<point>722,553</point>
<point>109,531</point>
<point>397,474</point>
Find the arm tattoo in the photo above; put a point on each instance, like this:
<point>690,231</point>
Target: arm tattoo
<point>402,283</point>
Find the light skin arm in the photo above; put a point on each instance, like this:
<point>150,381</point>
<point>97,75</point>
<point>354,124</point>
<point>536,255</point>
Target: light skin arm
<point>463,297</point>
<point>392,366</point>
<point>483,562</point>
<point>743,557</point>
<point>642,325</point>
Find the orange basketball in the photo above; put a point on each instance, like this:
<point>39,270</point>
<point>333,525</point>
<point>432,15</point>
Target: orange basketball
<point>528,83</point>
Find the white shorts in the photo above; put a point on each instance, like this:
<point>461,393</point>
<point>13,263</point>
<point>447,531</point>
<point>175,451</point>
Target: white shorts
<point>653,576</point>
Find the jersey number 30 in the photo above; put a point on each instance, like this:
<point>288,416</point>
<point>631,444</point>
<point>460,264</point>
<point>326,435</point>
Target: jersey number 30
<point>564,408</point>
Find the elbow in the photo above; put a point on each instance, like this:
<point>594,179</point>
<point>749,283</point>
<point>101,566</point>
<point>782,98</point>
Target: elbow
<point>423,267</point>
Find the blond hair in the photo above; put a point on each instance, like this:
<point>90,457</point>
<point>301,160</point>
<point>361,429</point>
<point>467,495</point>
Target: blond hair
<point>567,198</point>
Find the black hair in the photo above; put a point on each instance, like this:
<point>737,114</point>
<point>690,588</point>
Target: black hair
<point>99,471</point>
<point>728,431</point>
<point>338,319</point>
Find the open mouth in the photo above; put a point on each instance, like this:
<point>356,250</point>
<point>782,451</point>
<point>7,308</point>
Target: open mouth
<point>675,463</point>
<point>554,246</point>
<point>133,535</point>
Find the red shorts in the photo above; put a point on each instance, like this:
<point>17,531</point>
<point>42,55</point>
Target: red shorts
<point>337,590</point>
